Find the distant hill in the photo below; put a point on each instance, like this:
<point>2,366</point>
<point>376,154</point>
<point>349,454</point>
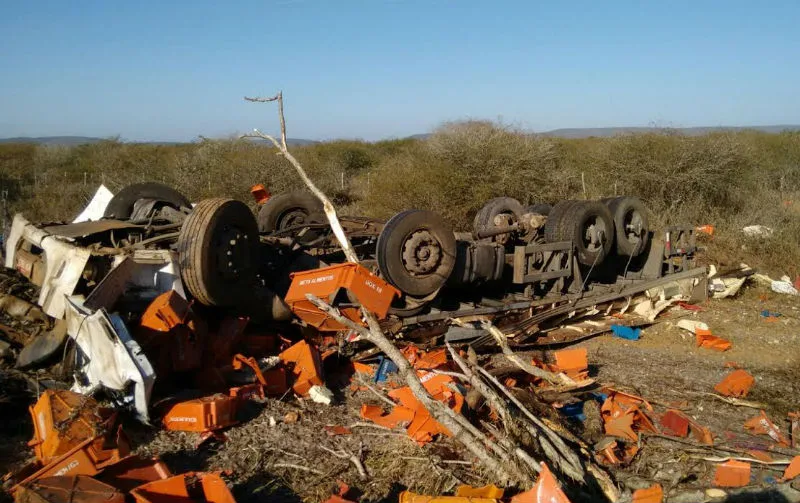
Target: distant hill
<point>84,140</point>
<point>606,132</point>
<point>53,140</point>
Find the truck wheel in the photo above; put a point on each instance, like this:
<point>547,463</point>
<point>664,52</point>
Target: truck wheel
<point>590,227</point>
<point>218,252</point>
<point>498,212</point>
<point>539,209</point>
<point>555,227</point>
<point>631,224</point>
<point>288,210</point>
<point>406,306</point>
<point>416,252</point>
<point>121,205</point>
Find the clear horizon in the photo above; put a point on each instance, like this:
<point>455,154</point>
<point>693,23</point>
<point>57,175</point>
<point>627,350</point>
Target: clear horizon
<point>392,68</point>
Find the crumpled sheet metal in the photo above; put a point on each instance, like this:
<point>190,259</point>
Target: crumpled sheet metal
<point>97,206</point>
<point>64,266</point>
<point>109,357</point>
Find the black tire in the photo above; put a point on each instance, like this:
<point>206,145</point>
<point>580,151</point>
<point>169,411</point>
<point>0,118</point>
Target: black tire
<point>218,252</point>
<point>121,205</point>
<point>539,209</point>
<point>553,230</point>
<point>287,210</point>
<point>485,218</point>
<point>574,224</point>
<point>631,224</point>
<point>416,252</point>
<point>404,307</point>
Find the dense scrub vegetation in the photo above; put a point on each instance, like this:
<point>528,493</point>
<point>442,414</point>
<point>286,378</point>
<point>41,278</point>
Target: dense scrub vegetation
<point>727,179</point>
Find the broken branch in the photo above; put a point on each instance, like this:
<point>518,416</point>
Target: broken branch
<point>502,341</point>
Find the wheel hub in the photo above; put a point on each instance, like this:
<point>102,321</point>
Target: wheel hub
<point>594,235</point>
<point>234,254</point>
<point>634,227</point>
<point>292,218</point>
<point>421,253</point>
<point>503,220</point>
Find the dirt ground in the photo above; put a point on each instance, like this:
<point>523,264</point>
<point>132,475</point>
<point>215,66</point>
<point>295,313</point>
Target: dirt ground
<point>283,452</point>
<point>665,366</point>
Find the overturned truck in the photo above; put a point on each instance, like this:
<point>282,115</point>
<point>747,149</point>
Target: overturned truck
<point>140,263</point>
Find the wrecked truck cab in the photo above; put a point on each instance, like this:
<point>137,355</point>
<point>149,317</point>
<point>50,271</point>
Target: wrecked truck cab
<point>116,259</point>
<point>53,264</point>
<point>95,265</point>
<point>73,258</point>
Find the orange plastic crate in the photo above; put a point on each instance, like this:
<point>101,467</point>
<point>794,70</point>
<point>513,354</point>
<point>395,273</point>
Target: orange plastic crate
<point>62,420</point>
<point>370,291</point>
<point>202,414</point>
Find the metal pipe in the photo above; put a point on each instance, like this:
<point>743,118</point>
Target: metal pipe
<point>496,231</point>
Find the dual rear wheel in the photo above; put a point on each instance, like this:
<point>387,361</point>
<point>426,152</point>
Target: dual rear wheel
<point>598,227</point>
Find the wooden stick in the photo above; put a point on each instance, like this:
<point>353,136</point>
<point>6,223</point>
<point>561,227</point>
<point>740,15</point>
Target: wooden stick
<point>733,401</point>
<point>572,464</point>
<point>343,454</point>
<point>502,341</point>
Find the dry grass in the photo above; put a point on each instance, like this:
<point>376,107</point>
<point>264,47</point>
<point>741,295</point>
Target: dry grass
<point>288,461</point>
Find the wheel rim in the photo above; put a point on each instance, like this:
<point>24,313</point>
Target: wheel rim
<point>594,234</point>
<point>291,218</point>
<point>634,227</point>
<point>233,252</point>
<point>422,253</point>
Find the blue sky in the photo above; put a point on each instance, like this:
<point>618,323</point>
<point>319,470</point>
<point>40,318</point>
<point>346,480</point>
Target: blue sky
<point>371,69</point>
